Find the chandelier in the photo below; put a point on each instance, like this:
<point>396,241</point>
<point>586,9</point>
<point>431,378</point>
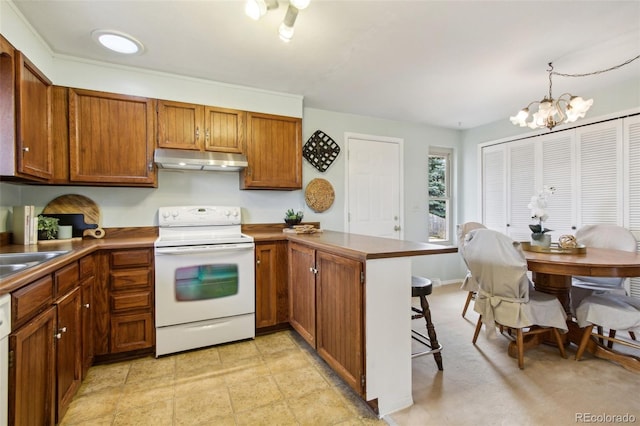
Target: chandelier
<point>256,9</point>
<point>567,108</point>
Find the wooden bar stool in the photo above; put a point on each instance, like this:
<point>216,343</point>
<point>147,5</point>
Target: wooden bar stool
<point>421,287</point>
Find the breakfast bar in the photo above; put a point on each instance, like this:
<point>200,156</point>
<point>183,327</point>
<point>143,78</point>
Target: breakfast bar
<point>362,305</point>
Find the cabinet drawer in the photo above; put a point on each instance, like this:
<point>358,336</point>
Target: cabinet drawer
<point>87,267</point>
<point>131,332</point>
<point>66,279</point>
<point>126,301</point>
<point>30,300</point>
<point>128,258</point>
<point>130,279</point>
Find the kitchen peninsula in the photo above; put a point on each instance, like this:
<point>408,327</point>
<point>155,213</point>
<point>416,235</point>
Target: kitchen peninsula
<point>350,299</point>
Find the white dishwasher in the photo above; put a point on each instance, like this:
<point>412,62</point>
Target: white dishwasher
<point>5,329</point>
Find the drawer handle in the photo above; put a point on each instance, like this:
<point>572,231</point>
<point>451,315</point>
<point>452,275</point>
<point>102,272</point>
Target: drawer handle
<point>86,305</point>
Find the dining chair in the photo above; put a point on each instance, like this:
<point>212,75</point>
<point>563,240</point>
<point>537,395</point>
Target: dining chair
<point>607,237</point>
<point>505,297</point>
<point>469,284</point>
<point>616,312</point>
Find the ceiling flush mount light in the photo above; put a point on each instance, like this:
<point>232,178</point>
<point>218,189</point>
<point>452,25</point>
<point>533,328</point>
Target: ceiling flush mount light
<point>256,9</point>
<point>117,41</point>
<point>566,109</point>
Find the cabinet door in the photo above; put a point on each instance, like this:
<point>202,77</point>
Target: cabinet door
<point>266,291</point>
<point>32,372</point>
<point>130,332</point>
<point>340,316</point>
<point>7,108</point>
<point>274,152</point>
<point>88,322</point>
<point>111,139</point>
<point>33,108</point>
<point>272,289</point>
<point>224,130</point>
<point>69,349</point>
<point>180,125</point>
<point>302,291</point>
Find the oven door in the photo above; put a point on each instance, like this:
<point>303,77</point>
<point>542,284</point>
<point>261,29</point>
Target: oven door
<point>195,283</point>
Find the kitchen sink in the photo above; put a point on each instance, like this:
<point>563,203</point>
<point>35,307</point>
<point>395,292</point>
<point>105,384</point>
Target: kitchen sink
<point>11,263</point>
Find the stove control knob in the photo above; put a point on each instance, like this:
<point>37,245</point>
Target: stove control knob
<point>235,213</point>
<point>165,214</point>
<point>174,213</point>
<point>227,213</point>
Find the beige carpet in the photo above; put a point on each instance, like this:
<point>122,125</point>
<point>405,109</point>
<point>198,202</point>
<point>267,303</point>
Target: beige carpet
<point>482,385</point>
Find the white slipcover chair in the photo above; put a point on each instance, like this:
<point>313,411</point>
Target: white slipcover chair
<point>469,284</point>
<point>609,310</point>
<point>505,297</point>
<point>607,237</point>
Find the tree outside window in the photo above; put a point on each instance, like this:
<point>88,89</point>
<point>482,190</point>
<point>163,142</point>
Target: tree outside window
<point>439,194</point>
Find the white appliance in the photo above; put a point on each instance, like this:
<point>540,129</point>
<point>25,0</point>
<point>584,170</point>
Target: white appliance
<point>204,286</point>
<point>5,329</point>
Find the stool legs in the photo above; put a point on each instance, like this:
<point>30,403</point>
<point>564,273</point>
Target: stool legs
<point>431,331</point>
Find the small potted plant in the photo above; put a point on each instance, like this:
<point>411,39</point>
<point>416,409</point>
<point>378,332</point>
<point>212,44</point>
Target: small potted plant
<point>292,218</point>
<point>47,228</point>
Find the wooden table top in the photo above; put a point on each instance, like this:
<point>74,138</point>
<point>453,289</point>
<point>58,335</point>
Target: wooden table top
<point>596,262</point>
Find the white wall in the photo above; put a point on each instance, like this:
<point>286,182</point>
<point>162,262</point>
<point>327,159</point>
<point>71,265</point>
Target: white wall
<point>608,103</point>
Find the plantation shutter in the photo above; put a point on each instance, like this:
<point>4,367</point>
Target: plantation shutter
<point>632,190</point>
<point>599,153</point>
<point>522,185</point>
<point>494,188</point>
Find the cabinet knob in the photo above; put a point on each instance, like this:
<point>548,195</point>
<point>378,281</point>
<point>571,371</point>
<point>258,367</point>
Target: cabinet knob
<point>258,262</point>
<point>150,166</point>
<point>63,330</point>
<point>396,228</point>
<point>25,149</point>
<point>206,135</point>
<point>314,270</point>
<point>58,336</point>
<point>86,305</point>
<point>197,133</point>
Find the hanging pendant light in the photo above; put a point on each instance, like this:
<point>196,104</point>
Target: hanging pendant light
<point>551,112</point>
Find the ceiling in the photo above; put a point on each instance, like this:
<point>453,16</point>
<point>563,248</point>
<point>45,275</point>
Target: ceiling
<point>456,64</point>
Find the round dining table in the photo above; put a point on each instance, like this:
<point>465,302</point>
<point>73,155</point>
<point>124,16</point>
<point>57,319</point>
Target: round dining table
<point>552,272</point>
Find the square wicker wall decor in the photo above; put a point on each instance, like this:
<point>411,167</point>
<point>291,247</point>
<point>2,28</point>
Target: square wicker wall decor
<point>320,150</point>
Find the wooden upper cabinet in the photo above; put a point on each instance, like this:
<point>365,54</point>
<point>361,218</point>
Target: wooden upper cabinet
<point>33,131</point>
<point>111,139</point>
<point>200,128</point>
<point>274,152</point>
<point>25,117</point>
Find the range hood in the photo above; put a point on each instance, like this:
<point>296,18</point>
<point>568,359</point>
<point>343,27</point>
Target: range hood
<point>198,160</point>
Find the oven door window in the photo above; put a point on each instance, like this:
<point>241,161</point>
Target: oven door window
<point>204,282</point>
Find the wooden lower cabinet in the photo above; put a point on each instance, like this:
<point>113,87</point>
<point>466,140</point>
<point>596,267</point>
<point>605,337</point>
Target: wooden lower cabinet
<point>32,371</point>
<point>302,291</point>
<point>68,349</point>
<point>272,294</point>
<point>340,317</point>
<point>327,309</point>
<point>124,302</point>
<point>87,282</point>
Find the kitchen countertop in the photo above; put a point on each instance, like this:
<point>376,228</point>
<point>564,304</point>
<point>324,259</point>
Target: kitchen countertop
<point>359,247</point>
<point>77,249</point>
<point>363,247</point>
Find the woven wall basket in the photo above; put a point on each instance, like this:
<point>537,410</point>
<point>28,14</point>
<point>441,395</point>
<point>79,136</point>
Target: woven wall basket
<point>319,195</point>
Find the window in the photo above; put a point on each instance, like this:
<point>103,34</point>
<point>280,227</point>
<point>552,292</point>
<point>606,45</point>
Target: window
<point>440,214</point>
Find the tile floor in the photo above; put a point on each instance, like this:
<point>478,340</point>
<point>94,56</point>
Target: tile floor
<point>272,380</point>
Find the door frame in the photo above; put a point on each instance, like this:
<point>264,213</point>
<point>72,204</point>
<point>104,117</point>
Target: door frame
<point>388,139</point>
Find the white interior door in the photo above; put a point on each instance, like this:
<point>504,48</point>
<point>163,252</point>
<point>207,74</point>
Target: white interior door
<point>374,186</point>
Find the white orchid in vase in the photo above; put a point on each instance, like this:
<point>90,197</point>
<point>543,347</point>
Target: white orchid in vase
<point>538,206</point>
